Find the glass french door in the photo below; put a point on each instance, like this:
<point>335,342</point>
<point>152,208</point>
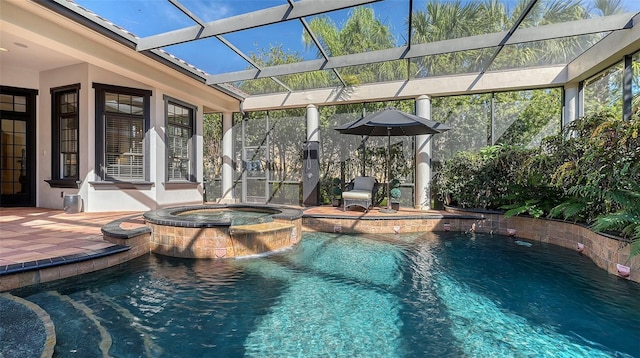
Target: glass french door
<point>17,147</point>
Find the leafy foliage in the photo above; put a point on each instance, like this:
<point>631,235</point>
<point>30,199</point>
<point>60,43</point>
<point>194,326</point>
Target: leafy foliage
<point>395,193</point>
<point>336,190</point>
<point>588,173</point>
<point>626,220</point>
<point>493,178</point>
<point>600,156</point>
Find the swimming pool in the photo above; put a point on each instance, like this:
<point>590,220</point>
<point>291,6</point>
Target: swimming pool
<point>435,295</point>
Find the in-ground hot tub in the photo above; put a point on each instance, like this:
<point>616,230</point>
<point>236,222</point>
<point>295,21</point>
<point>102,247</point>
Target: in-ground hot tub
<point>223,231</point>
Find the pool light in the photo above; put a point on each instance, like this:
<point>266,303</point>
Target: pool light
<point>623,271</point>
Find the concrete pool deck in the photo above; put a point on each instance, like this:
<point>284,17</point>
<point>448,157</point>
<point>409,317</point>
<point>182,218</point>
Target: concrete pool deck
<point>33,239</point>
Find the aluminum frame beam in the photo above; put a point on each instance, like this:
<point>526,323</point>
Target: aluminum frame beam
<point>539,77</point>
<point>605,53</point>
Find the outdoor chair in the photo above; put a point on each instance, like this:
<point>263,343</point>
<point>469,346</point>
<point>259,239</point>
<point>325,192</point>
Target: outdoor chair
<point>360,192</point>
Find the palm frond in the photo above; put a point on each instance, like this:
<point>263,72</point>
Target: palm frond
<point>614,221</point>
<point>568,209</point>
<point>635,248</point>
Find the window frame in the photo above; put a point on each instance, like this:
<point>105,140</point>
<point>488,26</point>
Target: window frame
<point>101,141</point>
<point>193,110</point>
<point>57,179</point>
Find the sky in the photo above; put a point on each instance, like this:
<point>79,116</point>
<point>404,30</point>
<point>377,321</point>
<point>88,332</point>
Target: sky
<point>149,17</point>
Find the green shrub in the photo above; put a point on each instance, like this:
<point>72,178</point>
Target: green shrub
<point>395,194</point>
<point>601,156</point>
<point>588,173</point>
<point>485,179</point>
<point>336,190</point>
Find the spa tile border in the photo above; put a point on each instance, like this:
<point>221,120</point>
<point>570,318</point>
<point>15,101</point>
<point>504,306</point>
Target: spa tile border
<point>192,237</point>
<point>169,216</point>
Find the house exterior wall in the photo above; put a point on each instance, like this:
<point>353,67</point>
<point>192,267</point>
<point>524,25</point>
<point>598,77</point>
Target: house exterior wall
<point>112,198</point>
<point>18,77</point>
<point>83,57</point>
<point>60,52</point>
<point>47,196</point>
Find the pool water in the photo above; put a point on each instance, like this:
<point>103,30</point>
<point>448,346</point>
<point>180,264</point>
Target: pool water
<point>234,216</point>
<point>418,295</point>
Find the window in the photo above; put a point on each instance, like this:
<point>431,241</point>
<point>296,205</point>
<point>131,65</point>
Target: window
<point>64,134</point>
<point>122,120</point>
<point>180,119</point>
<point>604,90</point>
<point>13,103</point>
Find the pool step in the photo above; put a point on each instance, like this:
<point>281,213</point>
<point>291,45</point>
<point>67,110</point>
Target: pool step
<point>75,333</point>
<point>150,348</point>
<point>90,324</point>
<point>105,338</point>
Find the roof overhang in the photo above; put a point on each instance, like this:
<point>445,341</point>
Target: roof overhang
<point>49,34</point>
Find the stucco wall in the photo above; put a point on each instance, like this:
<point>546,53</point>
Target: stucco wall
<point>19,77</point>
<point>48,197</point>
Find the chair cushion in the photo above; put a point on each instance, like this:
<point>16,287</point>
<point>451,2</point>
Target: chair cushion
<point>364,183</point>
<point>357,194</point>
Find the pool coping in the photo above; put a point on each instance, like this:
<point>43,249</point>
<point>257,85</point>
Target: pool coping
<point>114,229</point>
<point>61,260</point>
<point>121,236</point>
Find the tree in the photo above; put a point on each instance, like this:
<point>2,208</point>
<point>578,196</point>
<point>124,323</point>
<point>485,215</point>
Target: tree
<point>449,20</point>
<point>456,19</point>
<point>212,153</point>
<point>362,32</point>
<point>608,7</point>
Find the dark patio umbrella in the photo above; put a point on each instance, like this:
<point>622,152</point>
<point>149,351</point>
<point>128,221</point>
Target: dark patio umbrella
<point>391,122</point>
